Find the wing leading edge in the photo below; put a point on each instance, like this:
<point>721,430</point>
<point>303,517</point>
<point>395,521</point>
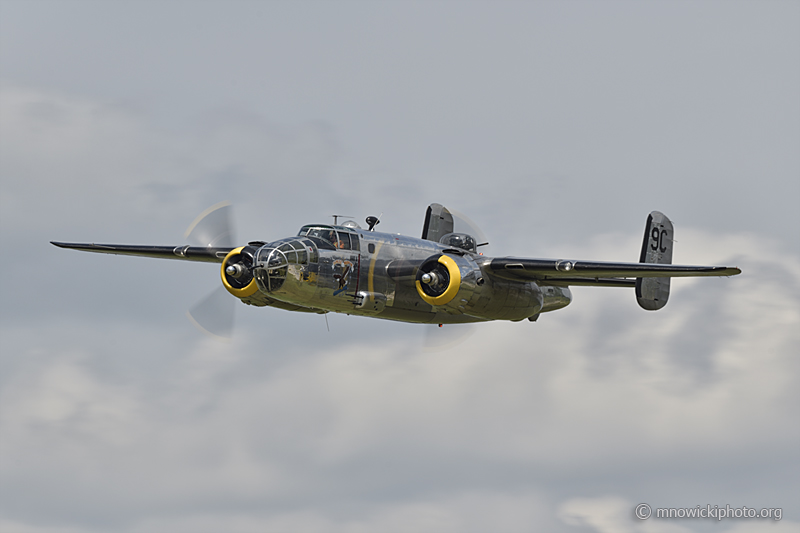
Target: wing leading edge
<point>596,273</point>
<point>183,253</point>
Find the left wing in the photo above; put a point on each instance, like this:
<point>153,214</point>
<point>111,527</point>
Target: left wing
<point>568,272</point>
<point>186,253</point>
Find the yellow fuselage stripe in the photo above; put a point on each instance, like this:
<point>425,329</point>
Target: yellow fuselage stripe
<point>370,276</point>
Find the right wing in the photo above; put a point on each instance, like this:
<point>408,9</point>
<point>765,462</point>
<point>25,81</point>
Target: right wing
<point>564,272</point>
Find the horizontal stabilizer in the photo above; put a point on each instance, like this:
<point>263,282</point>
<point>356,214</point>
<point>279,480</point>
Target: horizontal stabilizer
<point>514,268</point>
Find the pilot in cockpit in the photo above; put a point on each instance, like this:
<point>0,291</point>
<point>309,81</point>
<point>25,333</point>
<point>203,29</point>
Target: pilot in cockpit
<point>332,239</point>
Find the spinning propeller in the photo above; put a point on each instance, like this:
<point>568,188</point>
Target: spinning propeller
<point>213,228</point>
<point>436,279</point>
<point>463,224</point>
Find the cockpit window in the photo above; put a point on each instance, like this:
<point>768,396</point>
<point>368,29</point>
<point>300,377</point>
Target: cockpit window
<point>354,242</point>
<point>327,235</point>
<point>330,237</point>
<point>322,236</point>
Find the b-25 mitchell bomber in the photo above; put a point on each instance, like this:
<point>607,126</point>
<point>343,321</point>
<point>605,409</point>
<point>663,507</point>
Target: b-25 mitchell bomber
<point>440,278</point>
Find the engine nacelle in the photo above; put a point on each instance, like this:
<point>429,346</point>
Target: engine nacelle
<point>237,272</point>
<point>441,278</point>
<point>457,282</point>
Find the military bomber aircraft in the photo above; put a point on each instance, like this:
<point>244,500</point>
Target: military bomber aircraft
<point>440,278</point>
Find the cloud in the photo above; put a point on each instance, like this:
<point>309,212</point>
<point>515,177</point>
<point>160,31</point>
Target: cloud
<point>612,514</point>
<point>115,415</point>
<point>604,515</point>
<point>286,430</point>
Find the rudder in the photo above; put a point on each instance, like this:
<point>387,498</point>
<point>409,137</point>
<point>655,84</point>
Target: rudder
<point>652,293</point>
<point>438,222</point>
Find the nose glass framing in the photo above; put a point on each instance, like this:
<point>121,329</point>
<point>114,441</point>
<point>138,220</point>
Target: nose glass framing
<point>273,260</point>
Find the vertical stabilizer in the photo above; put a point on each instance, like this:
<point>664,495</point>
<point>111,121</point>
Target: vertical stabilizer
<point>653,293</point>
<point>438,222</point>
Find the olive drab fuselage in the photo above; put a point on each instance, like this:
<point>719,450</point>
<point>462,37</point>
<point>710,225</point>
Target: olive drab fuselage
<point>353,271</point>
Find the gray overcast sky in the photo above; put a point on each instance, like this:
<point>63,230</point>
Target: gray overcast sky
<point>555,126</point>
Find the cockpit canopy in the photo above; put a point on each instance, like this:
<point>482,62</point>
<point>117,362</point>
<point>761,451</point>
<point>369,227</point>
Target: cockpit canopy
<point>460,240</point>
<point>331,237</point>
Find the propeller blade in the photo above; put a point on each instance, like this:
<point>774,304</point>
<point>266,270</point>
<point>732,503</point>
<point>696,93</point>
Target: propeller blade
<point>214,314</point>
<point>213,227</point>
<point>463,224</point>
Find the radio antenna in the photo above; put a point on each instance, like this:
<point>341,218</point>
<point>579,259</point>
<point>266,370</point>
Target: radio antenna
<point>337,217</point>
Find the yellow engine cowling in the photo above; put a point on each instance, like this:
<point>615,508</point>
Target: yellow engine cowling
<point>441,278</point>
<point>237,272</point>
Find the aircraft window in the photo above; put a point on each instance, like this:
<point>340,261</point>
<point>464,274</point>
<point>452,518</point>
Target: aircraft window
<point>312,250</point>
<point>272,264</point>
<point>300,250</point>
<point>371,248</point>
<point>327,235</point>
<point>324,237</point>
<point>354,242</point>
<point>459,240</point>
<point>321,243</point>
<point>272,258</point>
<point>352,224</point>
<point>289,252</point>
<point>294,252</point>
<point>304,230</point>
<point>344,241</point>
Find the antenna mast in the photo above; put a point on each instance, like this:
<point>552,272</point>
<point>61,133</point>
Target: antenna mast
<point>336,218</point>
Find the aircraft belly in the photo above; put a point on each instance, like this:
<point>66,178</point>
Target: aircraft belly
<point>407,315</point>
